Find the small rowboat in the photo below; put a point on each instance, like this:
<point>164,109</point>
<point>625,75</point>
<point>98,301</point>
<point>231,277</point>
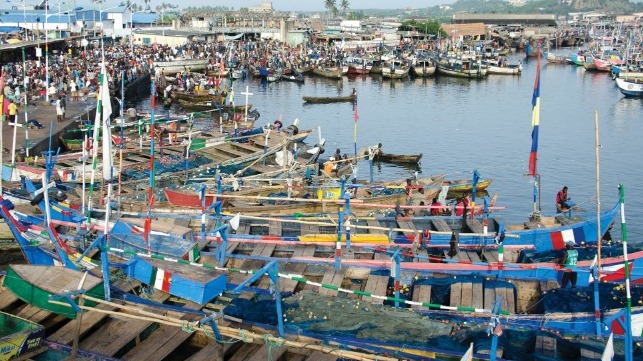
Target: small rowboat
<point>398,158</point>
<point>466,185</point>
<point>326,100</point>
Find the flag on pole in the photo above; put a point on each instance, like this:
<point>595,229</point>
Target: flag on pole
<point>535,121</point>
<point>105,110</point>
<point>355,114</point>
<point>608,353</point>
<point>234,221</point>
<point>468,356</point>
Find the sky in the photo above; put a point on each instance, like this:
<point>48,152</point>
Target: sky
<point>280,5</point>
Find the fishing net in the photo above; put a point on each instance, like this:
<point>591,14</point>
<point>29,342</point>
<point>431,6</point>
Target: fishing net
<point>581,299</point>
<point>353,321</point>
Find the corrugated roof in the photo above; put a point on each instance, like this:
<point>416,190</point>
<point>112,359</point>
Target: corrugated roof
<point>473,29</point>
<point>144,18</point>
<point>9,29</point>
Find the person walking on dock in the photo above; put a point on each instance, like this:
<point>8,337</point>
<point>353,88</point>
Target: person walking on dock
<point>13,111</point>
<point>59,110</point>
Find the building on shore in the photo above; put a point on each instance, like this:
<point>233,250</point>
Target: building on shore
<point>505,19</point>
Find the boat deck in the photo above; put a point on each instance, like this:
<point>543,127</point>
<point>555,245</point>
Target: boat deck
<point>129,339</point>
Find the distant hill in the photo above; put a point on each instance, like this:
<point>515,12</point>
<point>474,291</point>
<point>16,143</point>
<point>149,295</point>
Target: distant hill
<point>559,7</point>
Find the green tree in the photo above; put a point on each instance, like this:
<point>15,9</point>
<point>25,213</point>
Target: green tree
<point>345,5</point>
<point>431,27</point>
<point>331,6</point>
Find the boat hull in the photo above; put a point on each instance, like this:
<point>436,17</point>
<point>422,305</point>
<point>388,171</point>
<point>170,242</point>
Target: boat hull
<point>326,100</point>
<point>630,88</point>
<point>19,337</point>
<point>196,284</point>
<point>36,284</point>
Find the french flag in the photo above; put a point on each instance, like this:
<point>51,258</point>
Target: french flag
<point>535,122</point>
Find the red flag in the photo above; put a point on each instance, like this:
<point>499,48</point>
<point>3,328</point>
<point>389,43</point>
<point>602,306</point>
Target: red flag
<point>355,115</point>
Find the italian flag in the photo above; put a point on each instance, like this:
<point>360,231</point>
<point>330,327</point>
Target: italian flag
<point>161,279</point>
<point>193,255</point>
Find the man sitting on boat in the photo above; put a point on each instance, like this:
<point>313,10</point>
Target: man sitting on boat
<point>563,201</point>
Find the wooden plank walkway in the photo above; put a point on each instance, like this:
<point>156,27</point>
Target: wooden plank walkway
<point>261,249</point>
<point>163,341</point>
<point>115,334</point>
<point>376,285</point>
<point>334,278</point>
<point>374,223</point>
<point>406,224</point>
<point>421,293</point>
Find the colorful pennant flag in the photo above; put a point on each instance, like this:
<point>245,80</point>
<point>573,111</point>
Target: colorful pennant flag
<point>535,122</point>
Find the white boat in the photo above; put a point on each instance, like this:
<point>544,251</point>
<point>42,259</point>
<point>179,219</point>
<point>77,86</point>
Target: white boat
<point>630,87</point>
<point>496,67</point>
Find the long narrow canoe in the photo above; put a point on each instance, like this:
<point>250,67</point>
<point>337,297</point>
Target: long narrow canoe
<point>398,158</point>
<point>35,285</point>
<point>325,100</point>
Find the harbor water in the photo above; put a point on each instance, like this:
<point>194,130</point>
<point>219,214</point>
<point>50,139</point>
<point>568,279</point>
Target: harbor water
<point>461,125</point>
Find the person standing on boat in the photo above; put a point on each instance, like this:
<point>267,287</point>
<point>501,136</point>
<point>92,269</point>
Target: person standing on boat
<point>569,261</point>
<point>562,201</point>
<point>436,207</point>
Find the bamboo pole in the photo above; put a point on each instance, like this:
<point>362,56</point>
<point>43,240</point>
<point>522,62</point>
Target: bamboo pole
<point>79,319</point>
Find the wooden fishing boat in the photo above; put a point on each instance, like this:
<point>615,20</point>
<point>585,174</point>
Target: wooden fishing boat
<point>212,106</point>
<point>72,140</point>
<point>626,71</point>
<point>578,58</point>
<point>126,237</point>
<point>328,72</point>
<point>197,284</point>
<point>397,158</point>
<point>182,65</point>
<point>465,185</point>
<point>630,87</point>
<point>195,97</point>
<point>37,284</point>
<point>556,59</point>
<point>461,68</point>
<point>424,68</point>
<point>395,69</point>
<point>601,64</point>
<point>359,66</point>
<point>20,338</point>
<point>326,100</point>
<point>510,69</point>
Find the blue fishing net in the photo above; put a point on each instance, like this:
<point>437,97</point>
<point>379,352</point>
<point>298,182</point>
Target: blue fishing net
<point>581,299</point>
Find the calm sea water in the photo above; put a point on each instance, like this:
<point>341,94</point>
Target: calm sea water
<point>462,125</point>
